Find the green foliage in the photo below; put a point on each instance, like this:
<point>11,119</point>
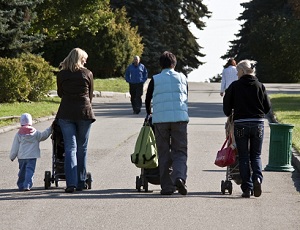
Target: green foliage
<point>61,19</point>
<point>106,36</point>
<point>40,75</point>
<point>26,78</point>
<point>114,47</point>
<point>15,86</point>
<point>217,78</point>
<point>270,35</point>
<point>15,24</point>
<point>164,26</point>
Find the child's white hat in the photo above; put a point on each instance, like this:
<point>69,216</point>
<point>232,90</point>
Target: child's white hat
<point>26,119</point>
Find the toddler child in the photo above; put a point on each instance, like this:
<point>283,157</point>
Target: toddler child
<point>26,148</point>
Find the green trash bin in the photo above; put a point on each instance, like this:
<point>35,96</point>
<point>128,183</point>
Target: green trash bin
<point>280,149</point>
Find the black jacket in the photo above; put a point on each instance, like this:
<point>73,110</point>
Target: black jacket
<point>247,97</point>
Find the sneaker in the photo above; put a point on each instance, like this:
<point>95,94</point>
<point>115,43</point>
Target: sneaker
<point>26,189</point>
<point>246,193</point>
<point>257,187</point>
<point>179,183</point>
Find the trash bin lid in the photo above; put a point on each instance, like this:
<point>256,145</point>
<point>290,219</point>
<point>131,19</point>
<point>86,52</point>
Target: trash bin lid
<point>281,125</point>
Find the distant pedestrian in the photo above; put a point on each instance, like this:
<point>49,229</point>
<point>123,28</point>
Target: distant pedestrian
<point>229,74</point>
<point>26,148</point>
<point>169,91</point>
<point>136,74</point>
<point>248,99</point>
<point>75,85</point>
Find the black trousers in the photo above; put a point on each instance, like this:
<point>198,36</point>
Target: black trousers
<point>136,92</point>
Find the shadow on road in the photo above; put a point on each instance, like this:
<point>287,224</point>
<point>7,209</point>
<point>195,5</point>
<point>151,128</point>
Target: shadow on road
<point>58,193</point>
<point>196,109</point>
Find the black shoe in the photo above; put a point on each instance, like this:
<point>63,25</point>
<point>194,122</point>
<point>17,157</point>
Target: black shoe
<point>70,189</point>
<point>136,111</point>
<point>166,192</point>
<point>257,187</point>
<point>181,186</point>
<point>80,188</point>
<point>246,193</point>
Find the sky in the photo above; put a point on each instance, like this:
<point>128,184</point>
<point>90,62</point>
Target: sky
<point>215,39</point>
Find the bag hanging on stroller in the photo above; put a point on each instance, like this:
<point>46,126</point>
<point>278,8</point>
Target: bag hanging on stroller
<point>145,151</point>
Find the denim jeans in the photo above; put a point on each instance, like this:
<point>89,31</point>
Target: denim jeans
<point>26,173</point>
<point>75,135</point>
<point>249,139</point>
<point>171,141</point>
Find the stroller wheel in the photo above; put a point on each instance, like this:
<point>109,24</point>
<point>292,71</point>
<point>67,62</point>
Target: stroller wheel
<point>56,182</point>
<point>138,183</point>
<point>223,187</point>
<point>229,187</point>
<point>89,180</point>
<point>47,179</point>
<point>145,184</point>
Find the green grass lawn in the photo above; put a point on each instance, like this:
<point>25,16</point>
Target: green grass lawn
<point>286,108</point>
<point>49,106</point>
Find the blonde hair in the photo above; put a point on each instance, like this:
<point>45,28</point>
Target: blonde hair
<point>75,60</point>
<point>248,66</point>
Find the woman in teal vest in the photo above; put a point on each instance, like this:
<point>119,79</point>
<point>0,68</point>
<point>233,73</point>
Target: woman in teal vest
<point>168,92</point>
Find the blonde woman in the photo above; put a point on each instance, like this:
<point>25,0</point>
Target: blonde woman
<point>75,115</point>
<point>250,102</point>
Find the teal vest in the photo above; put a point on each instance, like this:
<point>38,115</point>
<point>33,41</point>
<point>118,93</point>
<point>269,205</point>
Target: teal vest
<point>170,97</point>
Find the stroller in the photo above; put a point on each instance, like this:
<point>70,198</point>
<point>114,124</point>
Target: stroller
<point>58,160</point>
<point>232,171</point>
<point>148,175</point>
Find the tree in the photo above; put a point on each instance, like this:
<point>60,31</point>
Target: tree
<point>163,25</point>
<point>107,36</point>
<point>15,23</point>
<point>270,35</point>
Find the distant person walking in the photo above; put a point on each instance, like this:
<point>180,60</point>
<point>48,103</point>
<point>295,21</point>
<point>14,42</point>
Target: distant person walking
<point>136,74</point>
<point>169,92</point>
<point>229,74</point>
<point>248,99</point>
<point>75,86</point>
<point>26,148</point>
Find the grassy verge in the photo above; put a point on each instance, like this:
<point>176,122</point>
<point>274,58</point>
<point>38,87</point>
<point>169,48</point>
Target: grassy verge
<point>49,106</point>
<point>111,84</point>
<point>287,111</point>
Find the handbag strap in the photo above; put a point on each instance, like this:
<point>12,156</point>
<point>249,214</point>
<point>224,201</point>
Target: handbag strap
<point>225,142</point>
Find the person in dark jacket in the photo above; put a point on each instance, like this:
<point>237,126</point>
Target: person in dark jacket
<point>75,115</point>
<point>136,74</point>
<point>248,100</point>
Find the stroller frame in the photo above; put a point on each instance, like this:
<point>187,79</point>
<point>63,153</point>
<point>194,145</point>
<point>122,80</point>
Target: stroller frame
<point>58,160</point>
<point>232,171</point>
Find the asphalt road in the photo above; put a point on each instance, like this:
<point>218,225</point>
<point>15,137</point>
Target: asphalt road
<point>114,203</point>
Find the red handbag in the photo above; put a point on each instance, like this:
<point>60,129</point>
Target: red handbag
<point>226,156</point>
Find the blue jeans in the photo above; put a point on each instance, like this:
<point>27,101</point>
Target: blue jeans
<point>76,135</point>
<point>249,139</point>
<point>26,173</point>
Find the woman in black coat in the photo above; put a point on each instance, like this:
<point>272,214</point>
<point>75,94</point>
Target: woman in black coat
<point>248,100</point>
